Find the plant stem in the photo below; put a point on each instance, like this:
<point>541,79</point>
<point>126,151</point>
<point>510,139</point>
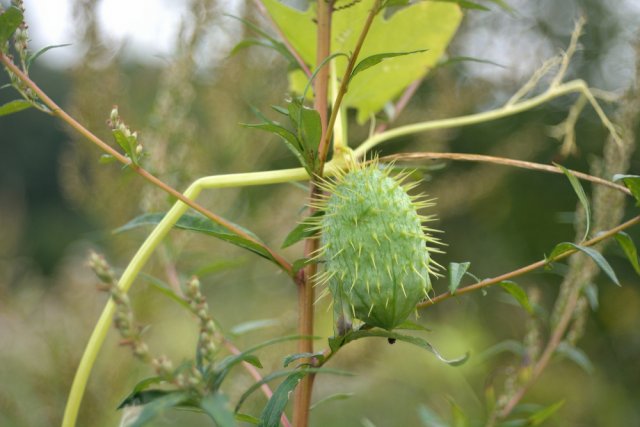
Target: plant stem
<point>60,113</point>
<point>575,86</point>
<point>306,290</point>
<point>528,268</point>
<point>335,110</point>
<point>503,161</point>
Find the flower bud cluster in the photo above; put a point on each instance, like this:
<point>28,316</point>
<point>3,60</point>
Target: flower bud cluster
<point>208,341</point>
<point>127,139</point>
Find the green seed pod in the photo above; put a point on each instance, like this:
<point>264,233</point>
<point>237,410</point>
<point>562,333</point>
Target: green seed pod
<point>376,262</point>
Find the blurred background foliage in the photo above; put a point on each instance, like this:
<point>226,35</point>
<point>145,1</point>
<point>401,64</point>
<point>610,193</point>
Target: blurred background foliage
<point>57,202</point>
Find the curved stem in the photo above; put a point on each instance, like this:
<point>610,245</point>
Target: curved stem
<point>504,161</point>
<point>528,268</point>
<point>575,86</point>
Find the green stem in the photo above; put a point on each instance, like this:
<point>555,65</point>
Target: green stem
<point>575,86</point>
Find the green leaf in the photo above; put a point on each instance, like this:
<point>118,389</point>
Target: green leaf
<point>330,398</point>
<point>10,20</point>
<point>542,415</point>
<point>632,182</point>
<point>279,374</point>
<point>302,231</point>
<point>201,224</point>
<point>158,406</point>
<point>140,395</point>
<point>467,4</point>
<point>584,201</point>
<point>224,367</point>
<point>596,256</point>
<point>246,418</point>
<point>412,326</point>
<point>458,416</point>
<point>429,418</point>
<point>270,416</point>
<point>629,248</point>
<point>267,41</point>
<point>456,273</point>
<point>165,289</point>
<point>576,355</point>
<point>216,406</point>
<point>422,24</point>
<point>14,106</point>
<point>518,293</point>
<point>355,335</point>
<point>372,60</point>
<point>289,138</point>
<point>299,264</point>
<point>293,357</point>
<point>253,325</point>
<point>512,346</point>
<point>45,49</point>
<point>591,292</point>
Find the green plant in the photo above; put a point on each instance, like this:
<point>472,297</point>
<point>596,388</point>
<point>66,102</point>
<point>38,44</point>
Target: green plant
<point>309,133</point>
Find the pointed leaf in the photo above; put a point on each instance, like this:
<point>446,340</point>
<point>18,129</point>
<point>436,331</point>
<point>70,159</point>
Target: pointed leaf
<point>253,325</point>
<point>467,4</point>
<point>10,20</point>
<point>299,264</point>
<point>201,224</point>
<point>140,395</point>
<point>279,374</point>
<point>632,182</point>
<point>372,60</point>
<point>518,293</point>
<point>44,50</point>
<point>158,406</point>
<point>429,418</point>
<point>330,398</point>
<point>216,406</point>
<point>293,357</point>
<point>246,418</point>
<point>629,248</point>
<point>576,355</point>
<point>352,336</point>
<point>456,273</point>
<point>596,256</point>
<point>584,200</point>
<point>270,416</point>
<point>542,415</point>
<point>165,289</point>
<point>302,231</point>
<point>412,326</point>
<point>14,106</point>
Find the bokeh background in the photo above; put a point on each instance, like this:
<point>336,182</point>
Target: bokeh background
<point>167,66</point>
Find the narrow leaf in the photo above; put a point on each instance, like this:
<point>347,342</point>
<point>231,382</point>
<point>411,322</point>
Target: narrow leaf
<point>293,357</point>
<point>632,182</point>
<point>301,231</point>
<point>466,4</point>
<point>279,374</point>
<point>629,248</point>
<point>518,293</point>
<point>596,256</point>
<point>299,264</point>
<point>576,355</point>
<point>140,395</point>
<point>412,326</point>
<point>429,418</point>
<point>542,415</point>
<point>330,398</point>
<point>158,406</point>
<point>42,51</point>
<point>201,224</point>
<point>246,418</point>
<point>10,20</point>
<point>352,336</point>
<point>271,413</point>
<point>591,292</point>
<point>253,325</point>
<point>372,60</point>
<point>164,289</point>
<point>14,106</point>
<point>582,196</point>
<point>456,273</point>
<point>216,406</point>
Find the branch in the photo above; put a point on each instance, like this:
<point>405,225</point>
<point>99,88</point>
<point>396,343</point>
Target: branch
<point>503,161</point>
<point>60,113</point>
<point>528,268</point>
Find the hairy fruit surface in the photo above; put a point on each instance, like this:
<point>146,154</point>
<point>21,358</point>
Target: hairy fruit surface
<point>374,248</point>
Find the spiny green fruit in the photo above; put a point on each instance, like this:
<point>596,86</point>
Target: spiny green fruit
<point>374,247</point>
